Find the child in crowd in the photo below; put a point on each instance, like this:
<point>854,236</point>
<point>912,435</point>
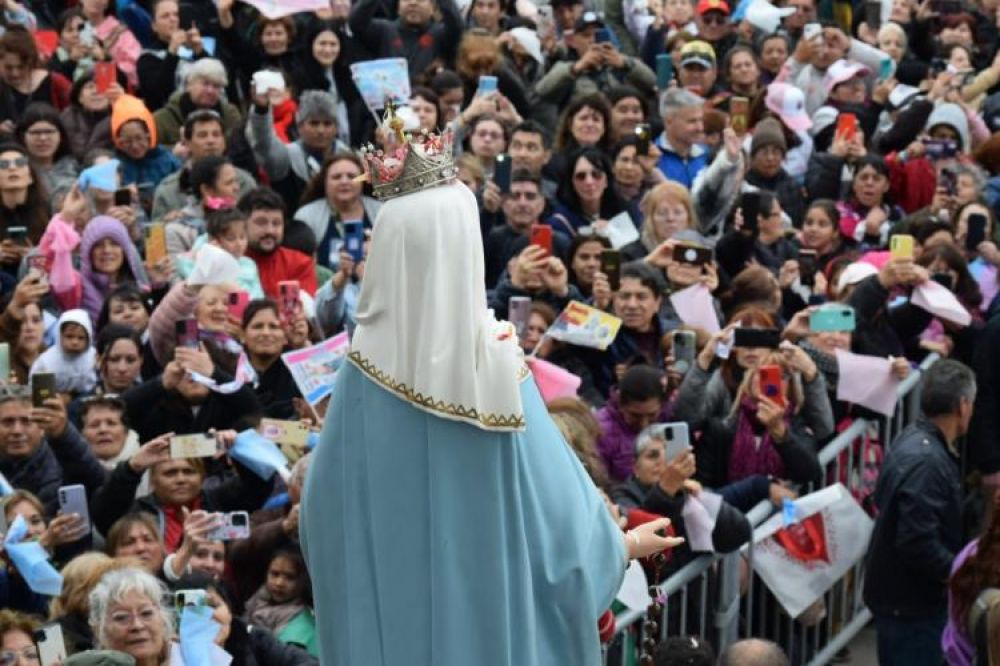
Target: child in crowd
<point>226,228</point>
<point>283,604</point>
<point>73,360</point>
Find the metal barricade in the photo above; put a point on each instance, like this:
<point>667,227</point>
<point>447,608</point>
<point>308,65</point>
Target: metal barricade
<point>733,601</point>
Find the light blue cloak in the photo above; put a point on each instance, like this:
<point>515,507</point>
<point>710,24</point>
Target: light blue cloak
<point>434,543</point>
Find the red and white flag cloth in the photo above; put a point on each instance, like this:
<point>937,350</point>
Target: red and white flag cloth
<point>801,561</point>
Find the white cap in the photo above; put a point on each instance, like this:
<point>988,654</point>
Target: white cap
<point>529,41</point>
<point>762,14</point>
<point>855,273</point>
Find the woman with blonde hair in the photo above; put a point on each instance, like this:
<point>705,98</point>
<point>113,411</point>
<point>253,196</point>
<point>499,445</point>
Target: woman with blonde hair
<point>577,424</point>
<point>666,209</point>
<point>71,609</point>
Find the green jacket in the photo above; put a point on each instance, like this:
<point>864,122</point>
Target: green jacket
<point>170,119</point>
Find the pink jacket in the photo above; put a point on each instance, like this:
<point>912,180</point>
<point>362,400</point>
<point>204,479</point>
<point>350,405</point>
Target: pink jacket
<point>57,246</point>
<point>125,51</point>
<point>178,304</point>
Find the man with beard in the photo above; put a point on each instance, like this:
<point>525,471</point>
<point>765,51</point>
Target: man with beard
<point>265,213</point>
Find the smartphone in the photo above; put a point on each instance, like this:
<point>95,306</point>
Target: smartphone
<point>739,114</point>
<point>266,80</point>
<point>808,264</point>
<point>847,126</point>
<point>502,166</point>
<point>602,36</point>
<point>832,317</point>
<point>487,86</point>
<point>193,446</point>
<point>156,243</point>
<point>885,68</point>
<point>643,135</point>
<point>664,71</point>
<point>873,14</point>
<point>36,262</point>
<point>73,499</point>
<point>288,300</point>
<point>750,207</point>
<point>235,525</point>
<point>518,313</point>
<point>812,31</point>
<point>769,383</point>
<point>18,235</point>
<point>238,301</point>
<point>43,387</point>
<point>184,598</point>
<point>684,350</point>
<point>187,333</point>
<point>50,644</point>
<point>939,149</point>
<point>541,235</point>
<point>766,338</point>
<point>354,239</point>
<point>677,438</point>
<point>975,231</point>
<point>123,197</point>
<point>611,266</point>
<point>105,75</point>
<point>292,433</point>
<point>186,17</point>
<point>901,246</point>
<point>692,254</point>
<point>948,180</point>
<point>4,362</point>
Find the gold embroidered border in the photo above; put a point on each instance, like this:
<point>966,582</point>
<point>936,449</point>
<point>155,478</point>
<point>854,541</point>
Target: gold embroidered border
<point>508,422</point>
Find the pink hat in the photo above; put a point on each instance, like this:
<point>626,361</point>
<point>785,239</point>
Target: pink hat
<point>841,71</point>
<point>790,105</point>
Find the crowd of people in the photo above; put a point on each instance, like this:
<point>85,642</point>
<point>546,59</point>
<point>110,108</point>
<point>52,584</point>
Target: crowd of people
<point>158,195</point>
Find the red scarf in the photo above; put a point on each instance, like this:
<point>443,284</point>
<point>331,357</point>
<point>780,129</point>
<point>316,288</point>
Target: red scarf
<point>173,525</point>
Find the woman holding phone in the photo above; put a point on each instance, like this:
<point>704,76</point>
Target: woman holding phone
<point>975,226</point>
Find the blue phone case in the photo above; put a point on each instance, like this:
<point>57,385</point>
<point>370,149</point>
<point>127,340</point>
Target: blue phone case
<point>354,240</point>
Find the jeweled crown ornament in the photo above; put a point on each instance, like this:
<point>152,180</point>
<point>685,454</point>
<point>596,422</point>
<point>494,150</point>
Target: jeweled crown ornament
<point>409,162</point>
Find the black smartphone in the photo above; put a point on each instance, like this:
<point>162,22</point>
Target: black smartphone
<point>43,387</point>
<point>807,267</point>
<point>975,231</point>
<point>692,254</point>
<point>611,266</point>
<point>502,165</point>
<point>750,207</point>
<point>643,133</point>
<point>123,197</point>
<point>873,14</point>
<point>186,17</point>
<point>948,180</point>
<point>18,235</point>
<point>768,338</point>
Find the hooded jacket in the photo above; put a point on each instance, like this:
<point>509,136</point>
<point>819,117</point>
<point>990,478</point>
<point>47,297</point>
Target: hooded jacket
<point>97,286</point>
<point>157,163</point>
<point>75,372</point>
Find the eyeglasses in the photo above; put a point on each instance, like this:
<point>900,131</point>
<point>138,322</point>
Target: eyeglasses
<point>126,619</point>
<point>593,174</point>
<point>28,654</point>
<point>714,18</point>
<point>16,163</point>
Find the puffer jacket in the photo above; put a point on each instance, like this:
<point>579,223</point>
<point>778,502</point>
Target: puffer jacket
<point>617,443</point>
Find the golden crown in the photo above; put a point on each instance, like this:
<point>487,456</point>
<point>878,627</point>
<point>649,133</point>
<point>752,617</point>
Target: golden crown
<point>409,163</point>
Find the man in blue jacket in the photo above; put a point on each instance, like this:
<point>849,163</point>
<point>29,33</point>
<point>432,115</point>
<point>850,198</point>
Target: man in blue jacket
<point>918,531</point>
<point>683,155</point>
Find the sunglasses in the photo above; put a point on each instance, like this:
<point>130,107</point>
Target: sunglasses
<point>593,174</point>
<point>15,163</point>
<point>713,18</point>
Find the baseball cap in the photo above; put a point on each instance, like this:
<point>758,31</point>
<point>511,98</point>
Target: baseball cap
<point>705,6</point>
<point>765,16</point>
<point>841,71</point>
<point>698,53</point>
<point>790,104</point>
<point>588,20</point>
<point>855,273</point>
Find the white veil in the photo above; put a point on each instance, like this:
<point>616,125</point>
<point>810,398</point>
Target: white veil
<point>424,331</point>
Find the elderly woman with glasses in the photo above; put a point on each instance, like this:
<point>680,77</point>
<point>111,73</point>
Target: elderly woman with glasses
<point>17,645</point>
<point>127,614</point>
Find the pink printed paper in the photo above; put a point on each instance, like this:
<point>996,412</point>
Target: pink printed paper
<point>867,381</point>
<point>695,307</point>
<point>940,302</point>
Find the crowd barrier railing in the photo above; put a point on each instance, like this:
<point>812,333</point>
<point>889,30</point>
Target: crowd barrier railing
<point>720,599</point>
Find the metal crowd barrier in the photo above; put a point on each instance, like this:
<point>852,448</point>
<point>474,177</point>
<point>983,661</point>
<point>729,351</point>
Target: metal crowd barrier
<point>731,602</point>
